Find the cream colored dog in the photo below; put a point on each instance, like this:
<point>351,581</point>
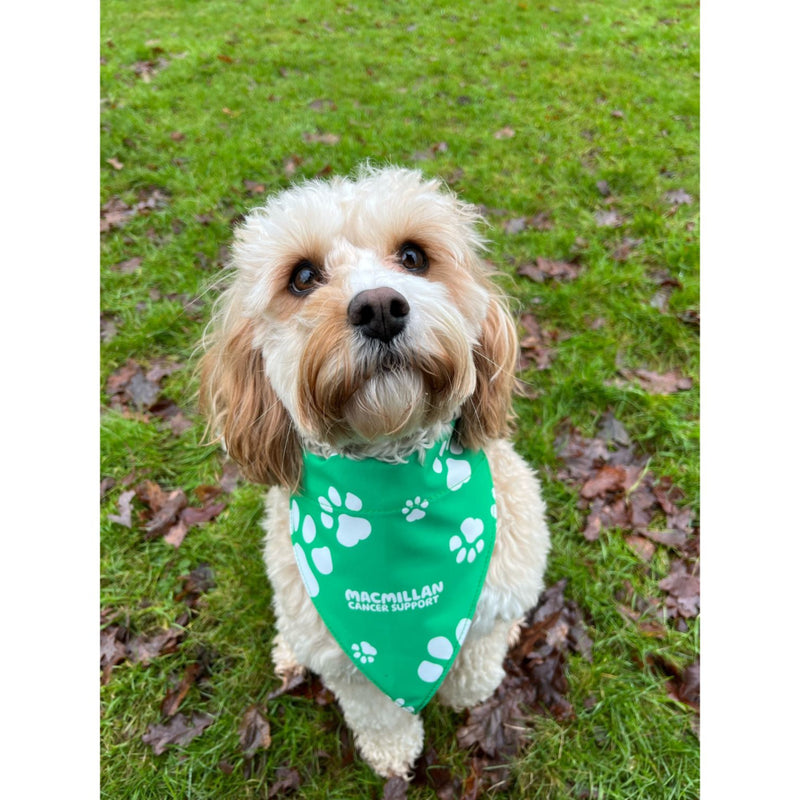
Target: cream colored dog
<point>361,321</point>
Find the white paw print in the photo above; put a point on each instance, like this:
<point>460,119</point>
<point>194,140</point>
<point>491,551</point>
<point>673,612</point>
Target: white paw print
<point>493,509</point>
<point>351,530</point>
<point>402,703</point>
<point>364,652</point>
<point>458,470</point>
<point>320,556</point>
<point>415,509</point>
<point>441,649</point>
<point>471,529</point>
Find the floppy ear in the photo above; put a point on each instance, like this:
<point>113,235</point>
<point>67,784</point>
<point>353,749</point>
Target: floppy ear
<point>244,411</point>
<point>487,413</point>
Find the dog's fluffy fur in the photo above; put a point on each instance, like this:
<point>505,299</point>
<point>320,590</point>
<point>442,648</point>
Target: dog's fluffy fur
<point>285,371</point>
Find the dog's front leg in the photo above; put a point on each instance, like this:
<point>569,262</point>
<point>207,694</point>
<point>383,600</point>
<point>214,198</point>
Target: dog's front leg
<point>388,737</point>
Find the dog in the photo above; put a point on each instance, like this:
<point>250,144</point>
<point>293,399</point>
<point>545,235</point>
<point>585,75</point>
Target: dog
<point>361,335</point>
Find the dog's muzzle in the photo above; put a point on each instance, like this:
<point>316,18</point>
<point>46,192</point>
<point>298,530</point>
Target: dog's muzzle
<point>378,313</point>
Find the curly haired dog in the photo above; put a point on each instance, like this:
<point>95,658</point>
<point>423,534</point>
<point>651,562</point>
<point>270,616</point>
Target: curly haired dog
<point>361,322</point>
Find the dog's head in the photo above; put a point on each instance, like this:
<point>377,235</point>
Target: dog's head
<point>360,316</point>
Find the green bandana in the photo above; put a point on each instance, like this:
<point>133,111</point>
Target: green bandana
<point>394,557</point>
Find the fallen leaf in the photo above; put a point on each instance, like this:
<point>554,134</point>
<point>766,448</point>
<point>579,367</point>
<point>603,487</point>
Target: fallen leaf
<point>625,248</point>
<point>179,730</point>
<point>546,268</point>
<point>287,780</point>
<point>194,516</point>
<point>176,534</point>
<point>323,104</point>
<point>535,345</point>
<point>655,383</point>
<point>603,188</point>
<point>199,581</point>
<point>684,590</point>
<point>254,732</point>
<point>608,218</point>
<point>144,648</point>
<point>115,162</point>
<point>171,703</point>
<point>125,509</point>
<point>505,133</point>
<point>606,479</point>
<point>323,138</point>
<point>395,789</point>
<point>540,221</point>
<point>167,515</point>
<point>112,649</point>
<point>128,266</point>
<point>230,476</point>
<point>253,187</point>
<point>678,197</point>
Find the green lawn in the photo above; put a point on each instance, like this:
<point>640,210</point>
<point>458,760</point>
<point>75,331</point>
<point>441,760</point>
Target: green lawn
<point>558,114</point>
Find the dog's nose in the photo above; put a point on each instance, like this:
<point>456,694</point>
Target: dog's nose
<point>378,313</point>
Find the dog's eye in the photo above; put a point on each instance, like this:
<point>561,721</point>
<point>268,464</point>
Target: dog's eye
<point>305,277</point>
<point>413,257</point>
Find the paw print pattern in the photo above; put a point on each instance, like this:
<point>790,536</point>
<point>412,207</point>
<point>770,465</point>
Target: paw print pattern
<point>471,529</point>
<point>364,652</point>
<point>402,703</point>
<point>493,509</point>
<point>458,470</point>
<point>441,648</point>
<point>320,556</point>
<point>350,530</point>
<point>415,509</point>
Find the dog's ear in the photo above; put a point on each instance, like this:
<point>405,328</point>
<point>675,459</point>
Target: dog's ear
<point>245,413</point>
<point>488,412</point>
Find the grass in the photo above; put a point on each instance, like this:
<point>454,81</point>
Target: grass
<point>229,102</point>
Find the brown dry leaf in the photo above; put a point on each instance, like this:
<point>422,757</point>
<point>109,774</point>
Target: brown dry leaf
<point>623,250</point>
<point>167,514</point>
<point>323,138</point>
<point>115,162</point>
<point>540,221</point>
<point>112,649</point>
<point>254,187</point>
<point>114,214</point>
<point>683,587</point>
<point>194,516</point>
<point>230,476</point>
<point>607,479</point>
<point>546,268</point>
<point>144,648</point>
<point>678,197</point>
<point>128,266</point>
<point>655,383</point>
<point>176,534</point>
<point>199,581</point>
<point>254,732</point>
<point>395,789</point>
<point>608,218</point>
<point>505,133</point>
<point>287,780</point>
<point>535,677</point>
<point>322,104</point>
<point>171,703</point>
<point>428,772</point>
<point>125,509</point>
<point>535,345</point>
<point>179,730</point>
<point>643,548</point>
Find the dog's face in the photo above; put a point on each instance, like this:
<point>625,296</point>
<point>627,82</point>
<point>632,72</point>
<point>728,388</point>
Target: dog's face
<point>360,313</point>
